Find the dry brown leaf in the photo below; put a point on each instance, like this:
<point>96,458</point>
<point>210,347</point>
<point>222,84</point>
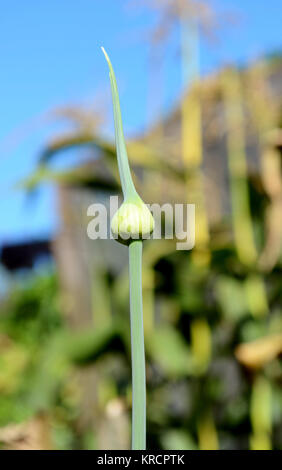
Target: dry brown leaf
<point>30,435</point>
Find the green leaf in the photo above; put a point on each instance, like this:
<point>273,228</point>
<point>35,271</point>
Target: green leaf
<point>168,348</point>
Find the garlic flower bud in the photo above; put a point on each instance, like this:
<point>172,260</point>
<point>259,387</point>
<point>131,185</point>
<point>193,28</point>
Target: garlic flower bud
<point>132,221</point>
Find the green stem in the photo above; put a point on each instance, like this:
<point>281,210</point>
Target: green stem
<point>137,348</point>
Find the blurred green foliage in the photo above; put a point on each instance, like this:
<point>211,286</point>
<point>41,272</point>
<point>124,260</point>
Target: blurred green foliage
<point>212,316</point>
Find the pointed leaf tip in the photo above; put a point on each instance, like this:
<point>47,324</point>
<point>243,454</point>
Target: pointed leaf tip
<point>124,170</point>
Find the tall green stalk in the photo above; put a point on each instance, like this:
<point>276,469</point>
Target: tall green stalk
<point>137,347</point>
<point>130,225</point>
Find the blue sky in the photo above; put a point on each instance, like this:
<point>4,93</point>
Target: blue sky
<point>50,56</point>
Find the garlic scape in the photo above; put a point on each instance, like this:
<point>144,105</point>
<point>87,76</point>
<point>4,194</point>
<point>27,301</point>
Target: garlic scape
<point>132,223</point>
